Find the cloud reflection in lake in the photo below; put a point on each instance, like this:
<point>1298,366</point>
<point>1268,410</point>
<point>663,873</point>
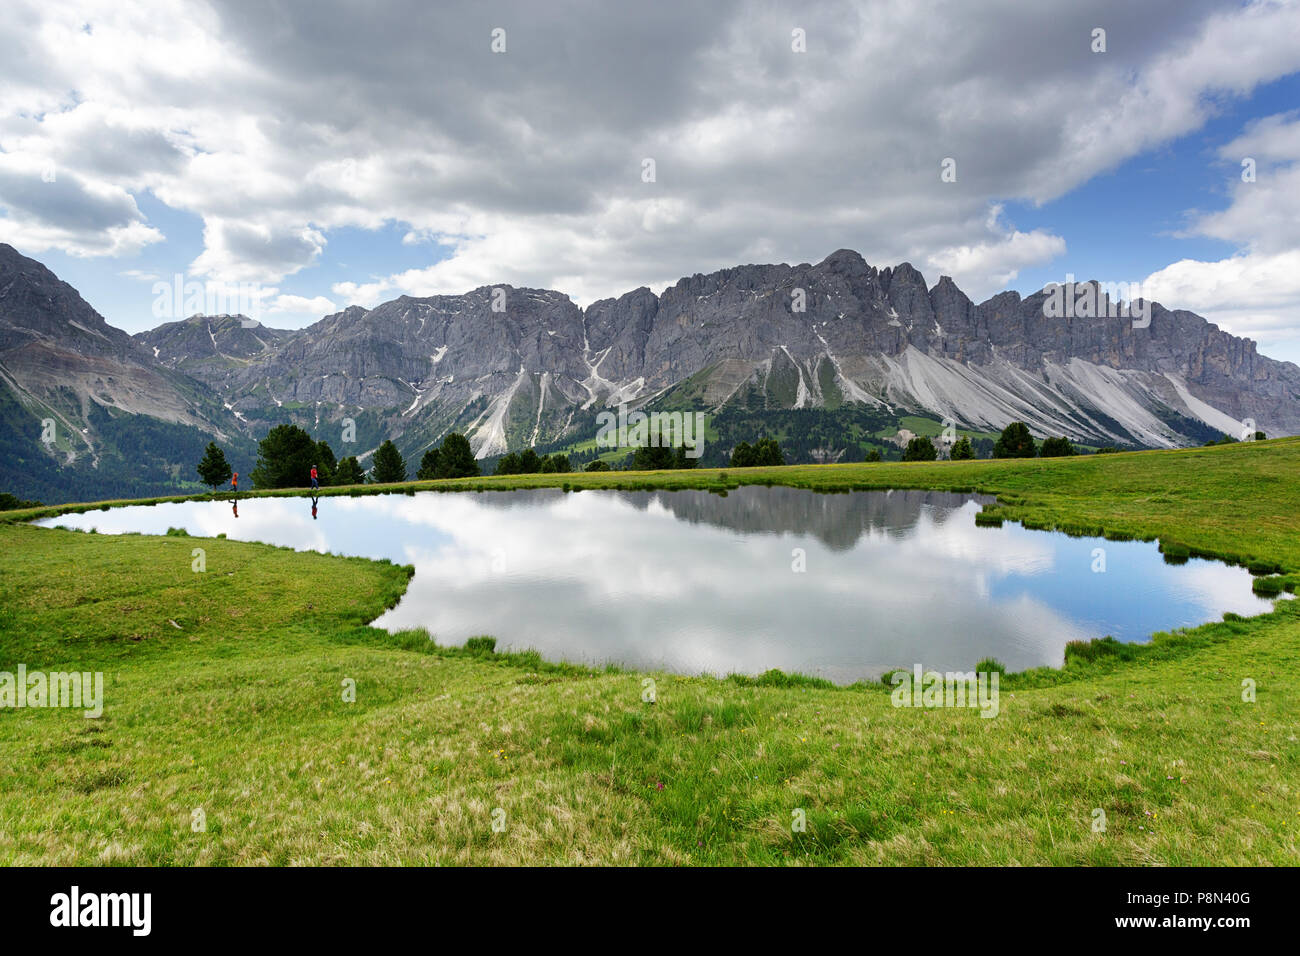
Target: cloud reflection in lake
<point>693,582</point>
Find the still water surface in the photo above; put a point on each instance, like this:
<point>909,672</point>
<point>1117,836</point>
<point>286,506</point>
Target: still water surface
<point>693,582</point>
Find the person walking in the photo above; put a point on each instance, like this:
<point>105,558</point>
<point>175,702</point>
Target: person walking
<point>234,482</point>
<point>314,482</point>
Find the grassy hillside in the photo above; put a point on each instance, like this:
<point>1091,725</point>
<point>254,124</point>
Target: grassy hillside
<point>224,693</point>
<point>132,454</point>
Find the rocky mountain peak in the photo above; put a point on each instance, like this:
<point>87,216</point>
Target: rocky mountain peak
<point>516,366</point>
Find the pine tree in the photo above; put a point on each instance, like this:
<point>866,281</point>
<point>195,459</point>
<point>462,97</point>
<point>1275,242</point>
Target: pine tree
<point>455,459</point>
<point>389,464</point>
<point>529,463</point>
<point>768,452</point>
<point>284,458</point>
<point>652,458</point>
<point>1056,448</point>
<point>428,466</point>
<point>920,448</point>
<point>1015,442</point>
<point>214,469</point>
<point>349,472</point>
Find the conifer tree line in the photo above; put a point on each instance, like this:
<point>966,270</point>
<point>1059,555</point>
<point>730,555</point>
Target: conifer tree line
<point>286,456</point>
<point>288,453</point>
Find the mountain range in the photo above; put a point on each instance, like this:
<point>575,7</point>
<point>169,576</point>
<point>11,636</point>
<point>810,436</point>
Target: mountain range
<point>840,349</point>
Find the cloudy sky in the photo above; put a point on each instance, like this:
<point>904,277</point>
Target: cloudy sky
<point>340,153</point>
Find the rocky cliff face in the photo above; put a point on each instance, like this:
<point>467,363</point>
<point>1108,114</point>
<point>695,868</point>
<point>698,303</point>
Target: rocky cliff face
<point>771,336</point>
<point>517,367</point>
<point>61,360</point>
<point>206,346</point>
<point>880,336</point>
<point>513,355</point>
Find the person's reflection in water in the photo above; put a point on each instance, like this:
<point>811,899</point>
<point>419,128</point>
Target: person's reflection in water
<point>313,507</point>
<point>235,509</point>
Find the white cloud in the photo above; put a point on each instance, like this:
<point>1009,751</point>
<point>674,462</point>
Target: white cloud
<point>986,267</point>
<point>1255,292</point>
<point>366,294</point>
<point>277,125</point>
<point>301,305</point>
<point>46,207</point>
<point>256,252</point>
<point>1264,214</point>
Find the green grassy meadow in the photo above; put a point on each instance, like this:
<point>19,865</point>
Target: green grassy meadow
<point>224,693</point>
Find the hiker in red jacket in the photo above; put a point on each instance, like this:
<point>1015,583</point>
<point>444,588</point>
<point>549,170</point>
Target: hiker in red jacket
<point>314,483</point>
<point>234,482</point>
